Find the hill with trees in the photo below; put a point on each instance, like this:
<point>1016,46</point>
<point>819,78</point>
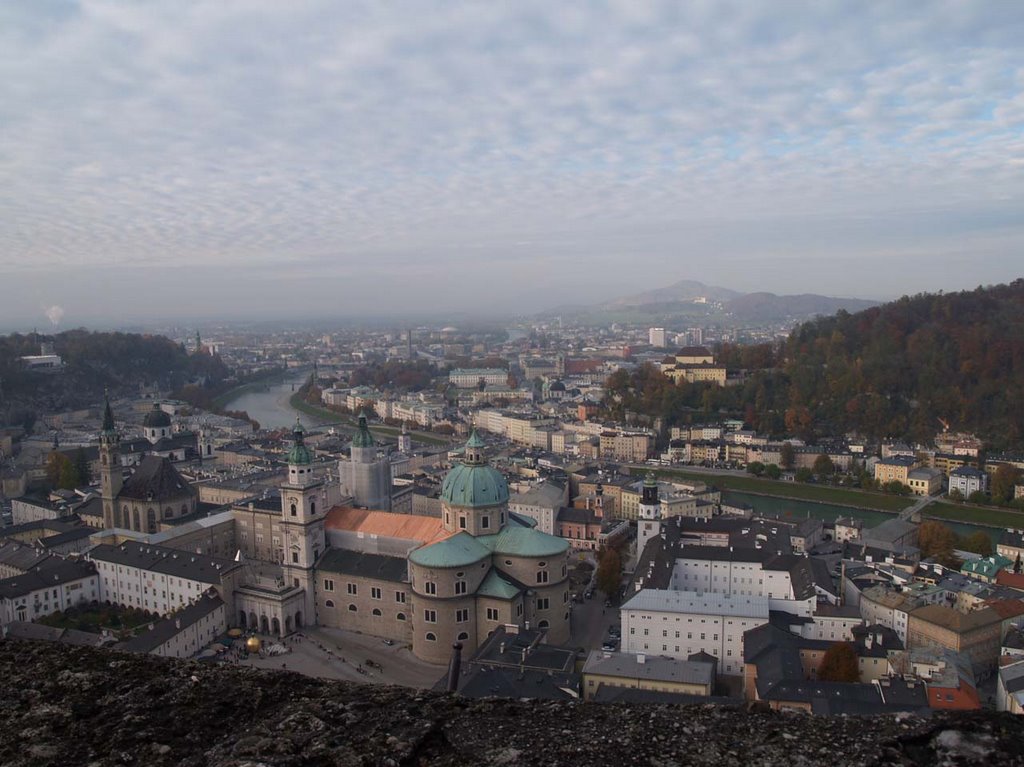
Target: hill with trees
<point>94,363</point>
<point>901,370</point>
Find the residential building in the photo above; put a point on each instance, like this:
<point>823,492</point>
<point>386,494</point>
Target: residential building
<point>968,480</point>
<point>643,671</point>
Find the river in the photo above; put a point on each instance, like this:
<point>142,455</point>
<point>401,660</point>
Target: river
<point>783,507</point>
<point>270,407</point>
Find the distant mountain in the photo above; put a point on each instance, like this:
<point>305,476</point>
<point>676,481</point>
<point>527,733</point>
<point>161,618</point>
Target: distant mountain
<point>684,290</point>
<point>768,307</point>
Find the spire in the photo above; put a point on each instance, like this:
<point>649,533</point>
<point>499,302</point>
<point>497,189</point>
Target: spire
<point>299,455</point>
<point>362,437</point>
<point>473,454</point>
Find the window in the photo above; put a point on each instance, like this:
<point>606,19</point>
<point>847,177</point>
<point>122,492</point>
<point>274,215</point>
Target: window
<point>542,576</point>
<point>351,588</point>
<point>329,603</point>
<point>485,522</point>
<point>294,510</point>
<point>460,587</point>
<point>492,613</point>
<point>462,636</point>
<point>353,609</point>
<point>400,596</point>
<point>295,557</point>
<point>429,587</point>
<point>461,616</point>
<point>377,612</point>
<point>543,625</point>
<point>375,593</point>
<point>462,522</point>
<point>430,616</point>
<point>542,604</point>
<point>328,584</point>
<point>401,616</point>
<point>430,637</point>
<point>312,507</point>
<point>447,518</point>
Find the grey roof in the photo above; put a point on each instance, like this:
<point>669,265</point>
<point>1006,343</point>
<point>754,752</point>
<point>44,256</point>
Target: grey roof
<point>53,574</point>
<point>155,479</point>
<point>704,603</point>
<point>40,632</point>
<point>166,628</point>
<point>160,559</point>
<point>655,668</point>
<point>610,694</point>
<point>346,562</point>
<point>500,682</point>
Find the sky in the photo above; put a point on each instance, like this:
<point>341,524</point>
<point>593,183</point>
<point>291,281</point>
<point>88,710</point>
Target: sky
<point>233,160</point>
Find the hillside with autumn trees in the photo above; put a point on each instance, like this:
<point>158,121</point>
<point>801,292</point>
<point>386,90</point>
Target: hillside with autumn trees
<point>900,370</point>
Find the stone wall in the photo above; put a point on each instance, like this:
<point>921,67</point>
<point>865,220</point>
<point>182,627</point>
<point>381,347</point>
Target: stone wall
<point>66,705</point>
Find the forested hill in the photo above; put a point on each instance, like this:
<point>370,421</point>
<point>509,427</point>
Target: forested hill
<point>898,368</point>
<point>891,371</point>
<point>119,362</point>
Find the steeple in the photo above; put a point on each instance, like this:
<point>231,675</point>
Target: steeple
<point>111,478</point>
<point>199,343</point>
<point>362,437</point>
<point>109,431</point>
<point>473,455</point>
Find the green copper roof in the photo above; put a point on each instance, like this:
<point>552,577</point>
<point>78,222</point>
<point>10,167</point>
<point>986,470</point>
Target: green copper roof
<point>496,586</point>
<point>461,550</point>
<point>474,440</point>
<point>299,455</point>
<point>363,438</point>
<point>474,486</point>
<point>525,542</point>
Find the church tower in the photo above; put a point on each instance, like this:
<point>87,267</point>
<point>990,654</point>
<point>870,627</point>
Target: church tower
<point>302,521</point>
<point>111,477</point>
<point>649,524</point>
<point>366,475</point>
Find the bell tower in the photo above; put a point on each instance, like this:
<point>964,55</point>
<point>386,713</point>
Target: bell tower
<point>302,520</point>
<point>111,477</point>
<point>649,524</point>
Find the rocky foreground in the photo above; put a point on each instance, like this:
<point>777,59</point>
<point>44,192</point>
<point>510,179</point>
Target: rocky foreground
<point>71,706</point>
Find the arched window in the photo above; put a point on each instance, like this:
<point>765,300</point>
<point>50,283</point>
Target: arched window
<point>430,637</point>
<point>135,519</point>
<point>312,507</point>
<point>542,625</point>
<point>125,520</point>
<point>401,616</point>
<point>151,520</point>
<point>329,603</point>
<point>376,611</point>
<point>294,510</point>
<point>168,512</point>
<point>353,609</point>
<point>462,636</point>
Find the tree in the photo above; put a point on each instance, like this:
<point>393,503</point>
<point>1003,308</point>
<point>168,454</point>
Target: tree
<point>609,571</point>
<point>937,541</point>
<point>1003,481</point>
<point>756,468</point>
<point>787,456</point>
<point>772,471</point>
<point>823,466</point>
<point>839,664</point>
<point>955,495</point>
<point>979,542</point>
<point>82,467</point>
<point>60,472</point>
<point>803,474</point>
<point>978,496</point>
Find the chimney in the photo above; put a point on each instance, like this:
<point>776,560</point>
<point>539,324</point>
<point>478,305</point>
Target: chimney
<point>641,658</point>
<point>177,623</point>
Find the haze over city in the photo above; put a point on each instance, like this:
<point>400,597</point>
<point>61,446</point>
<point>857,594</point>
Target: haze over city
<point>258,160</point>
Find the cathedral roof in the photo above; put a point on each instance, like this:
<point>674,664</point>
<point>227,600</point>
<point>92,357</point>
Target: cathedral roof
<point>156,419</point>
<point>460,550</point>
<point>524,542</point>
<point>155,479</point>
<point>474,486</point>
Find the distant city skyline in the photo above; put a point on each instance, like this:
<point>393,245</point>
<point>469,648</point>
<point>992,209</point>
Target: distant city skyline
<point>256,160</point>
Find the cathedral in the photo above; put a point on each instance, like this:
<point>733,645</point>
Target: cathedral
<point>282,563</point>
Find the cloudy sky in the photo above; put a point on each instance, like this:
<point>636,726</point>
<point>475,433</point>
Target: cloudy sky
<point>232,159</point>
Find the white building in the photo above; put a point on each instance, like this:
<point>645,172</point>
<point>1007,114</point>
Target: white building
<point>469,378</point>
<point>541,503</point>
<point>680,623</point>
<point>968,480</point>
<point>185,632</point>
<point>657,338</point>
<point>51,588</point>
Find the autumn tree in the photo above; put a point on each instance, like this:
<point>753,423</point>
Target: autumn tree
<point>82,468</point>
<point>756,468</point>
<point>609,571</point>
<point>772,471</point>
<point>978,542</point>
<point>787,456</point>
<point>839,664</point>
<point>1003,481</point>
<point>937,542</point>
<point>823,466</point>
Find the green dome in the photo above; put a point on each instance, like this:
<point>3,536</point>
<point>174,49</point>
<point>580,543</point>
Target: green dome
<point>473,486</point>
<point>299,455</point>
<point>363,438</point>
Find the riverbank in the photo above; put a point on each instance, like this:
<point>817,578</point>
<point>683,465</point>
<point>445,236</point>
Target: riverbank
<point>221,401</point>
<point>330,417</point>
<point>981,516</point>
<point>795,491</point>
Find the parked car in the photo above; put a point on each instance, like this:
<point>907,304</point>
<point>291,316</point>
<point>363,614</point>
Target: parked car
<point>614,631</point>
<point>610,644</point>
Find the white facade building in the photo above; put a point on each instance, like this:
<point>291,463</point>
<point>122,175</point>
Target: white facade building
<point>680,623</point>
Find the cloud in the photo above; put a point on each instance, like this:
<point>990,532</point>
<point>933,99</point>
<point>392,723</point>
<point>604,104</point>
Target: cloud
<point>431,138</point>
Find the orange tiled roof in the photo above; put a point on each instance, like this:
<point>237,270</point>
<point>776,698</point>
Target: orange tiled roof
<point>369,522</point>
